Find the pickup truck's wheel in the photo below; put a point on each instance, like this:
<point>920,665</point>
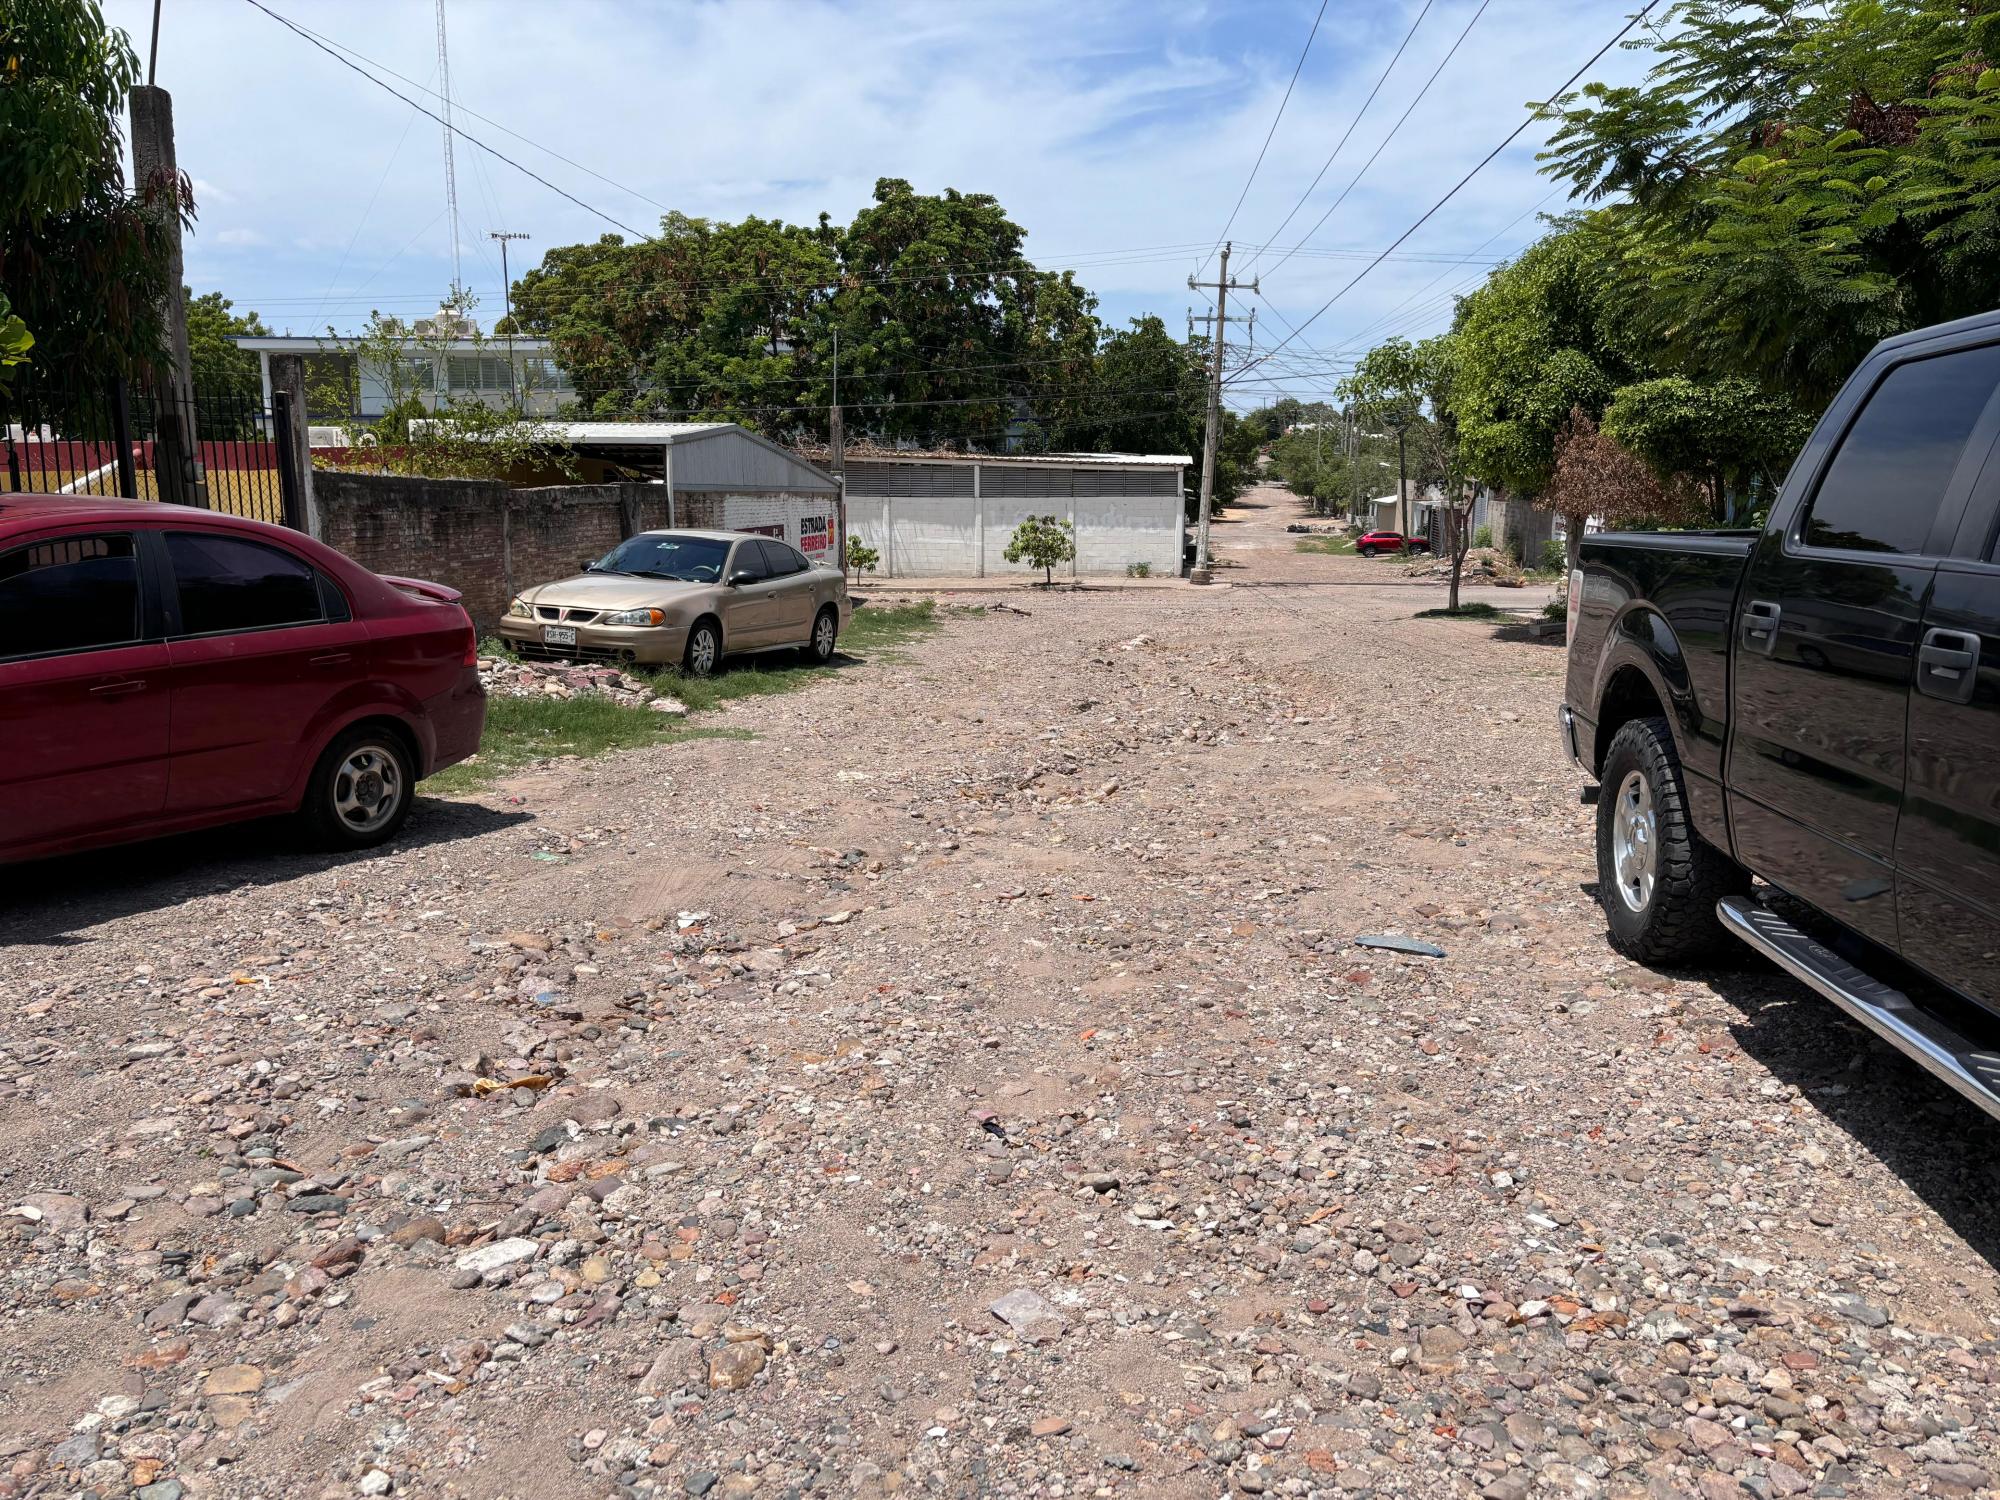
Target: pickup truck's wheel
<point>1657,879</point>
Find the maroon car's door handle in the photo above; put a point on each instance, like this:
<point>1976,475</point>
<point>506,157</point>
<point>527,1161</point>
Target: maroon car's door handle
<point>118,689</point>
<point>333,659</point>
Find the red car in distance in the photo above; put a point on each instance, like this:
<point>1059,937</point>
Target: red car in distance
<point>1371,542</point>
<point>164,669</point>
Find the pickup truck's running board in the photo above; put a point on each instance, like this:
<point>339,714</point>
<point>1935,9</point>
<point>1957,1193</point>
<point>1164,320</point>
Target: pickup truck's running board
<point>1971,1069</point>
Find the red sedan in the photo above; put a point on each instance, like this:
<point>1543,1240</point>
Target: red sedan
<point>1371,542</point>
<point>165,669</point>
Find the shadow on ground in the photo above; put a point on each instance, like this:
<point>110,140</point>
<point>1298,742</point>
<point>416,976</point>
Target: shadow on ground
<point>1525,635</point>
<point>53,900</point>
<point>1942,1147</point>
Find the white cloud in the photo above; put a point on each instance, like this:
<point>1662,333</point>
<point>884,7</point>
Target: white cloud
<point>1102,125</point>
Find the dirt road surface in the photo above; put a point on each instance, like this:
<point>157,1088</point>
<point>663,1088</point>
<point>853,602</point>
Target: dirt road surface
<point>972,1086</point>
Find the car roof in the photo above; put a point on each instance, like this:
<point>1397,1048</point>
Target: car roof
<point>32,509</point>
<point>706,536</point>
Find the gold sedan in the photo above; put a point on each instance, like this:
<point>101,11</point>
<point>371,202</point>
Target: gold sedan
<point>684,598</point>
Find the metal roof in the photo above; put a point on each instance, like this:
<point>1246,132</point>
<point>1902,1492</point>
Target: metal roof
<point>596,434</point>
<point>291,343</point>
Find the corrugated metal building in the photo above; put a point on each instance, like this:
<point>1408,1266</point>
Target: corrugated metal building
<point>717,475</point>
<point>950,515</point>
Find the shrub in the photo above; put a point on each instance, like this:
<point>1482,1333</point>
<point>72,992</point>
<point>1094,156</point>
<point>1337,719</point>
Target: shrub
<point>861,559</point>
<point>1555,557</point>
<point>1557,608</point>
<point>1483,537</point>
<point>1139,570</point>
<point>1042,542</point>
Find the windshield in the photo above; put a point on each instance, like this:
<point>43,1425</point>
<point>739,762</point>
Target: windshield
<point>688,559</point>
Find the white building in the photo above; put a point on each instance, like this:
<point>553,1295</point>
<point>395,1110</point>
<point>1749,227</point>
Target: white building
<point>434,370</point>
<point>934,515</point>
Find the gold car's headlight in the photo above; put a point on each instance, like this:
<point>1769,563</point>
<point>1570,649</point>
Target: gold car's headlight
<point>519,610</point>
<point>633,617</point>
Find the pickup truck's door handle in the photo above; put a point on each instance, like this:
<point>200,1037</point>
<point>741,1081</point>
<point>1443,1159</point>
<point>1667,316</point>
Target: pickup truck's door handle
<point>1948,665</point>
<point>1760,625</point>
<point>119,689</point>
<point>333,659</point>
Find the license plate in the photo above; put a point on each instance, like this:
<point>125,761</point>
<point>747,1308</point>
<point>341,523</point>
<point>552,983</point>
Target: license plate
<point>558,635</point>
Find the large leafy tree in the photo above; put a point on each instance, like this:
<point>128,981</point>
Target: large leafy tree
<point>947,333</point>
<point>1791,183</point>
<point>1535,342</point>
<point>82,260</point>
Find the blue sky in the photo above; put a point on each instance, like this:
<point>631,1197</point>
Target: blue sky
<point>1117,132</point>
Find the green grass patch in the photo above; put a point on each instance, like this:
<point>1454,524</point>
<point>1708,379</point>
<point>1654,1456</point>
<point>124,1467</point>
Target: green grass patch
<point>1464,612</point>
<point>522,731</point>
<point>1331,546</point>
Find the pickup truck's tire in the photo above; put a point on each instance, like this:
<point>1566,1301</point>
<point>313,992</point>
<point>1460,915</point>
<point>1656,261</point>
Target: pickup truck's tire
<point>1656,878</point>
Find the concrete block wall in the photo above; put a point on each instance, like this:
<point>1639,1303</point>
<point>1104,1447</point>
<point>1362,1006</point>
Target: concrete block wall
<point>482,538</point>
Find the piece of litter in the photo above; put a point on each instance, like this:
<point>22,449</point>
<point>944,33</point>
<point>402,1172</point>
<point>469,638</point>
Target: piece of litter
<point>1400,945</point>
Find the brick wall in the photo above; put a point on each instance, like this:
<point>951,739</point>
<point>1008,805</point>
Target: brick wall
<point>482,538</point>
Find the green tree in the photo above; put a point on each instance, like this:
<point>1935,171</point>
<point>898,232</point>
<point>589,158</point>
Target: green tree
<point>219,367</point>
<point>1790,184</point>
<point>1041,542</point>
<point>947,333</point>
<point>1533,343</point>
<point>82,261</point>
<point>1413,387</point>
<point>860,559</point>
<point>1726,438</point>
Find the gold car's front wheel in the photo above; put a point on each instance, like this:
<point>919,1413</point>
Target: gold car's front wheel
<point>704,650</point>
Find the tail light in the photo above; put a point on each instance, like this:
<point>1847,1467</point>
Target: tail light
<point>471,639</point>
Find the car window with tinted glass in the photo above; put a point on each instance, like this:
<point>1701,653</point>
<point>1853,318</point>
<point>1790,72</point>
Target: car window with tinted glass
<point>72,593</point>
<point>228,584</point>
<point>749,560</point>
<point>1882,491</point>
<point>781,561</point>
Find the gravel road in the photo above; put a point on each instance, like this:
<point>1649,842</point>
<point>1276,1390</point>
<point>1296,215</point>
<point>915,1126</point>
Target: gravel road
<point>972,1086</point>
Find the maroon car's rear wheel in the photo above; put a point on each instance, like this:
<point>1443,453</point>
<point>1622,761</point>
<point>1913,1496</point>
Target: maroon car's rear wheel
<point>361,789</point>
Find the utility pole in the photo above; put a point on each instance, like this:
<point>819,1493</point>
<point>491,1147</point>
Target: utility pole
<point>1402,479</point>
<point>507,301</point>
<point>836,439</point>
<point>1221,286</point>
<point>176,452</point>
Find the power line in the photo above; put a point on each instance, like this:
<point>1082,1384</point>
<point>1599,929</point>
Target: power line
<point>1296,67</point>
<point>459,105</point>
<point>447,124</point>
<point>1408,37</point>
<point>1483,162</point>
<point>1400,121</point>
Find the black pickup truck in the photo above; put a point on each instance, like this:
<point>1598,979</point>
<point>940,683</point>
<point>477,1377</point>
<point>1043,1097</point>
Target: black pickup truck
<point>1817,704</point>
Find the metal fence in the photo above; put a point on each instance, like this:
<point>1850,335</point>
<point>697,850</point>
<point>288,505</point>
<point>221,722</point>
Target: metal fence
<point>116,444</point>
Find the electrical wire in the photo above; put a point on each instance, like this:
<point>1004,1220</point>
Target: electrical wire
<point>1408,37</point>
<point>363,72</point>
<point>1483,162</point>
<point>1259,162</point>
<point>1400,121</point>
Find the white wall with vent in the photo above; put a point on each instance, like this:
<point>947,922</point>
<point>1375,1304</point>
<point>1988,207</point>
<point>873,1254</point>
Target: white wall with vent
<point>945,519</point>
